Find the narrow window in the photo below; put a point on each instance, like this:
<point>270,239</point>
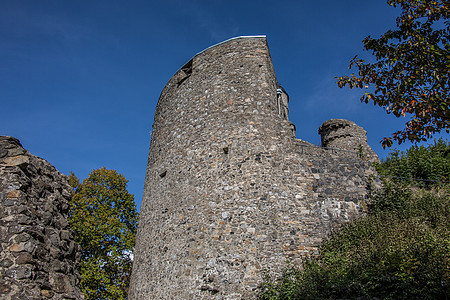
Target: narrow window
<point>186,72</point>
<point>187,68</point>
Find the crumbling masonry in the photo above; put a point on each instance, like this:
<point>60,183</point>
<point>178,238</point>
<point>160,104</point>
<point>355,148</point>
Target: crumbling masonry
<point>229,190</point>
<point>39,258</point>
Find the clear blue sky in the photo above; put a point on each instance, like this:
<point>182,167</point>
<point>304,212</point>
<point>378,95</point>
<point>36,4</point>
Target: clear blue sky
<point>79,80</point>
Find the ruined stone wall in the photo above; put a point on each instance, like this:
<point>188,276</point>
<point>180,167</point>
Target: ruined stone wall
<point>38,255</point>
<point>229,190</point>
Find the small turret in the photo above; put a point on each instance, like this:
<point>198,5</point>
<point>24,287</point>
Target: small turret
<point>346,135</point>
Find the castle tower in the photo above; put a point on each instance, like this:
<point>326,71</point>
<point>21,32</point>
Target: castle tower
<point>344,134</point>
<point>229,190</point>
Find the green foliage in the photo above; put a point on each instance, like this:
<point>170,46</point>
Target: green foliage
<point>427,163</point>
<point>389,254</point>
<point>410,74</point>
<point>104,219</point>
<point>400,250</point>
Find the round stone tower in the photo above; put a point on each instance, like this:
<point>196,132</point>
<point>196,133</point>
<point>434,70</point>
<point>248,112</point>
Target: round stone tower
<point>229,191</point>
<point>346,135</point>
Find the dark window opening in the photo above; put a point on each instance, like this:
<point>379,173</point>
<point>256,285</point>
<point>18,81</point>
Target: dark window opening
<point>187,68</point>
<point>186,72</point>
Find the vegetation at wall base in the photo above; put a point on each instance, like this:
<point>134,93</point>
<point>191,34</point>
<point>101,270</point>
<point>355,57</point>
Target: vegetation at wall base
<point>104,219</point>
<point>430,165</point>
<point>410,73</point>
<point>400,250</point>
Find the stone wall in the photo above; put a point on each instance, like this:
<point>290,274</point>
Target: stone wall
<point>229,190</point>
<point>38,255</point>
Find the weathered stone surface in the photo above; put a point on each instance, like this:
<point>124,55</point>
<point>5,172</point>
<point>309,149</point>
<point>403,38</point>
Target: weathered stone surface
<point>229,190</point>
<point>20,161</point>
<point>344,134</point>
<point>33,220</point>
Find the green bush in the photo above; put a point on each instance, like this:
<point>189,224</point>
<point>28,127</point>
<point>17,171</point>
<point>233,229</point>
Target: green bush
<point>430,164</point>
<point>400,250</point>
<point>389,254</point>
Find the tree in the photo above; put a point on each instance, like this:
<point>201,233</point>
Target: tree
<point>411,72</point>
<point>104,219</point>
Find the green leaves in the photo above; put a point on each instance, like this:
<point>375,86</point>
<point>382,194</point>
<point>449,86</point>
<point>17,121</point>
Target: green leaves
<point>104,219</point>
<point>411,74</point>
<point>429,164</point>
<point>400,250</point>
<point>395,253</point>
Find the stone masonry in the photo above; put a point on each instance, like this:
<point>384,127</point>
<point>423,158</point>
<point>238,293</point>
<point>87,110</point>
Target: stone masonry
<point>344,134</point>
<point>38,255</point>
<point>229,191</point>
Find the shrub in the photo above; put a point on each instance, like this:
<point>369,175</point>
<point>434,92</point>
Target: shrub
<point>400,250</point>
<point>430,164</point>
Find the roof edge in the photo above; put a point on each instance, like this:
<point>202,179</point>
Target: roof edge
<point>230,39</point>
<point>215,45</point>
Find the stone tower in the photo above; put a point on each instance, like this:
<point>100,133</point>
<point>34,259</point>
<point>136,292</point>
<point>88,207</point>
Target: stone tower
<point>344,134</point>
<point>229,190</point>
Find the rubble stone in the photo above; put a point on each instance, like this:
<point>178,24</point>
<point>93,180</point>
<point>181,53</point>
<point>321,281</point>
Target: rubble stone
<point>33,216</point>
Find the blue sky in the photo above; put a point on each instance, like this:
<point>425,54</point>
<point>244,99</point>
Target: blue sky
<point>79,80</point>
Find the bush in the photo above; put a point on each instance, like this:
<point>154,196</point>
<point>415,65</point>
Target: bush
<point>400,250</point>
<point>429,164</point>
<point>389,254</point>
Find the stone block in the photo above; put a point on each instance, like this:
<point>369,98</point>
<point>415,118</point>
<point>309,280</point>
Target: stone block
<point>20,161</point>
